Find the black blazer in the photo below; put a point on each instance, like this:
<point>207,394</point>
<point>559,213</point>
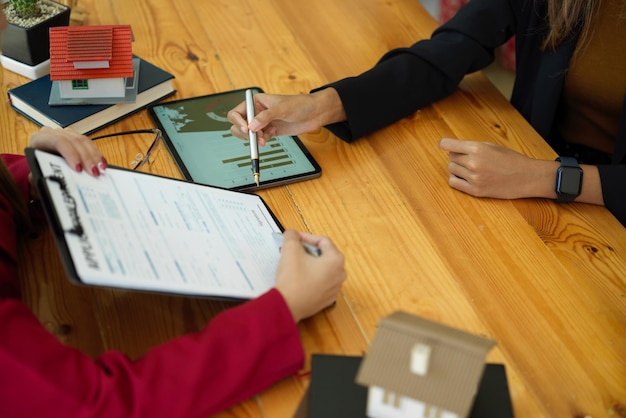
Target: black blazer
<point>406,79</point>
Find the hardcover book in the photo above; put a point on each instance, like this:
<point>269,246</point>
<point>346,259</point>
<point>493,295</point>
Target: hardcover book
<point>31,100</point>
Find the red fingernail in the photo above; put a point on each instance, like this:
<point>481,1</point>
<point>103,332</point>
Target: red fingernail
<point>95,171</point>
<point>79,167</point>
<point>104,163</point>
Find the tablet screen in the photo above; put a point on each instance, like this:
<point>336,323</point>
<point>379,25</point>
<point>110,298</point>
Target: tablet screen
<point>197,133</point>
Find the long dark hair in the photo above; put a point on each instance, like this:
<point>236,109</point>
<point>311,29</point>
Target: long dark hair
<point>10,191</point>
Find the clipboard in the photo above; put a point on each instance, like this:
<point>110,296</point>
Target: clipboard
<point>138,231</point>
<point>197,134</point>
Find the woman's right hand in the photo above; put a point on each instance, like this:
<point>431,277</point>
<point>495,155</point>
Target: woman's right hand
<point>309,283</point>
<point>287,114</point>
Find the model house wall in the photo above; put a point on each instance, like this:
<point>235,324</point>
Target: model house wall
<point>382,403</point>
<point>103,87</point>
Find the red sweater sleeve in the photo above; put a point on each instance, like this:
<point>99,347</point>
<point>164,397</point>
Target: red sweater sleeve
<point>239,353</point>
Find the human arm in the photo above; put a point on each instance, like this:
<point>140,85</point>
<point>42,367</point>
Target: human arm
<point>484,169</point>
<point>239,353</point>
<point>407,79</point>
<point>403,81</point>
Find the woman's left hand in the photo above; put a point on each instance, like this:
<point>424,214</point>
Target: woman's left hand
<point>78,150</point>
<point>484,169</point>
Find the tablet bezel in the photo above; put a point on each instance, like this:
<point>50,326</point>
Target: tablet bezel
<point>317,170</point>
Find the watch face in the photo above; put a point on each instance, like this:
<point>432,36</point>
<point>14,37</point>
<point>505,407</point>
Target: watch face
<point>569,180</point>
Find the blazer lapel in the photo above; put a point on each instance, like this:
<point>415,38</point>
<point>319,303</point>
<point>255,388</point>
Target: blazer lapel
<point>620,143</point>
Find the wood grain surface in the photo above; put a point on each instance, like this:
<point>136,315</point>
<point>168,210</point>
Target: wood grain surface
<point>547,282</point>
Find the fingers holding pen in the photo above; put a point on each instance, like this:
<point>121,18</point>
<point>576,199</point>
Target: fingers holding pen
<point>308,283</point>
<point>240,127</point>
<point>282,115</point>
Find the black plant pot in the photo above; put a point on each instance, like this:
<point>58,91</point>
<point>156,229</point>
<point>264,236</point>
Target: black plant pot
<point>32,45</point>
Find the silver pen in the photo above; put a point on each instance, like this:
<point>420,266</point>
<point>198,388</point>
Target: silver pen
<point>254,145</point>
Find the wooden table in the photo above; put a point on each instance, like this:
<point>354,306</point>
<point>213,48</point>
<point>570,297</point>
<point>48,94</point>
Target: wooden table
<point>546,281</point>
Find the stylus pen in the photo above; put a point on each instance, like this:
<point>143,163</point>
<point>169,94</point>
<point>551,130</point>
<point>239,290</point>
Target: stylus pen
<point>254,145</point>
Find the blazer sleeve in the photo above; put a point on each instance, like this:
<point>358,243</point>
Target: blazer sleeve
<point>407,79</point>
<point>614,189</point>
<point>240,352</point>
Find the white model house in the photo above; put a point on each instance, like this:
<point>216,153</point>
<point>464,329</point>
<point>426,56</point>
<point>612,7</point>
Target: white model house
<point>91,61</point>
<point>421,369</point>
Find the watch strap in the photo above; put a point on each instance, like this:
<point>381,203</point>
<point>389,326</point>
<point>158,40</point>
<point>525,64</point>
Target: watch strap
<point>568,162</point>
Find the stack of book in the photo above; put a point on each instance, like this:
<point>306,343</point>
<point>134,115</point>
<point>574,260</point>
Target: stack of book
<point>33,101</point>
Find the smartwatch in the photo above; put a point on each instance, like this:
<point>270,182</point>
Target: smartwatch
<point>569,179</point>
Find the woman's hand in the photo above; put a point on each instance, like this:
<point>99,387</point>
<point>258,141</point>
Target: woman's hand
<point>78,150</point>
<point>488,170</point>
<point>287,115</point>
<point>309,283</point>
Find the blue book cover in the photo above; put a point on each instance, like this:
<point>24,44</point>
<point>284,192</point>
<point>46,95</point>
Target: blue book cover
<point>31,100</point>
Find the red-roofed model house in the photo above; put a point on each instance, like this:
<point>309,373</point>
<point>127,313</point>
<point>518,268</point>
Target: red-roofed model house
<point>91,61</point>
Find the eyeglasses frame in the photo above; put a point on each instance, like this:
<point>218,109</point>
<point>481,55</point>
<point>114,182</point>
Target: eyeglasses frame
<point>140,159</point>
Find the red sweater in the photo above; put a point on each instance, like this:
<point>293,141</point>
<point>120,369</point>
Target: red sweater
<point>239,353</point>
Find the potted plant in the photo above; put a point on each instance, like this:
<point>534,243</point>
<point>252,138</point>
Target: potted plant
<point>26,39</point>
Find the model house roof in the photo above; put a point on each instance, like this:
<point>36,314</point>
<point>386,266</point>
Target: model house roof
<point>88,52</point>
<point>449,379</point>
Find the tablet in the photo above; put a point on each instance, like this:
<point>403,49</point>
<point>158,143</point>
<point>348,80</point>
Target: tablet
<point>197,133</point>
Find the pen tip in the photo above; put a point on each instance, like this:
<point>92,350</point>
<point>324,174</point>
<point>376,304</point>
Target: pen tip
<point>256,180</point>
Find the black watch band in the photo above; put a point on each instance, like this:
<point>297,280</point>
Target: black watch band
<point>569,180</point>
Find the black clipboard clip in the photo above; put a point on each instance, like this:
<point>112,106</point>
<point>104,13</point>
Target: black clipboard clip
<point>70,203</point>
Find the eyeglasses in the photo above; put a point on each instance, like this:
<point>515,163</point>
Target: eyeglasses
<point>140,159</point>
